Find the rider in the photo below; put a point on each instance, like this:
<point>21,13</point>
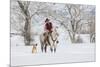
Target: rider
<point>48,28</point>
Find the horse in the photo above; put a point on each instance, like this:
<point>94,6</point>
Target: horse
<point>49,39</point>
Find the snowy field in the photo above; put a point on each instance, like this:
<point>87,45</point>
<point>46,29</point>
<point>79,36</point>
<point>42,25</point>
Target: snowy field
<point>66,52</point>
<point>22,55</point>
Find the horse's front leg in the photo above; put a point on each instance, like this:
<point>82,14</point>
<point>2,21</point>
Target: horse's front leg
<point>55,47</point>
<point>51,49</point>
<point>45,47</point>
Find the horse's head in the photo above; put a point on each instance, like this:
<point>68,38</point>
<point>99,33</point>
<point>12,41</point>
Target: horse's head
<point>55,36</point>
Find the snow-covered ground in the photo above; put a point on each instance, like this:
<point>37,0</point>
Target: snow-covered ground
<point>22,55</point>
<point>66,52</point>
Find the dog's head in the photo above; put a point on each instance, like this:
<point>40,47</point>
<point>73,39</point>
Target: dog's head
<point>35,45</point>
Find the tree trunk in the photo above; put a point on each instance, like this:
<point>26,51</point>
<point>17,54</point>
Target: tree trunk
<point>73,39</point>
<point>27,35</point>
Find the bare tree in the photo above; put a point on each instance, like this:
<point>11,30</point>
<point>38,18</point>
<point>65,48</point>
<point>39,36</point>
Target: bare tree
<point>70,17</point>
<point>74,21</point>
<point>24,8</point>
<point>71,20</point>
<point>25,12</point>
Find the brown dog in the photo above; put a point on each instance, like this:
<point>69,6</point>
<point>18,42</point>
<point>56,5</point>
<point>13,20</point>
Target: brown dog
<point>34,48</point>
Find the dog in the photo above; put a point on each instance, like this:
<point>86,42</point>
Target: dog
<point>34,48</point>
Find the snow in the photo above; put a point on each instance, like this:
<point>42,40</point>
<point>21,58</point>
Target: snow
<point>17,41</point>
<point>22,55</point>
<point>86,38</point>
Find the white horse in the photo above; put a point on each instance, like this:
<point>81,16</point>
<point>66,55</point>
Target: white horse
<point>49,39</point>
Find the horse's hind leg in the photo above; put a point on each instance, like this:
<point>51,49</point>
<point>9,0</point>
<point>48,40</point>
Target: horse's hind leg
<point>55,47</point>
